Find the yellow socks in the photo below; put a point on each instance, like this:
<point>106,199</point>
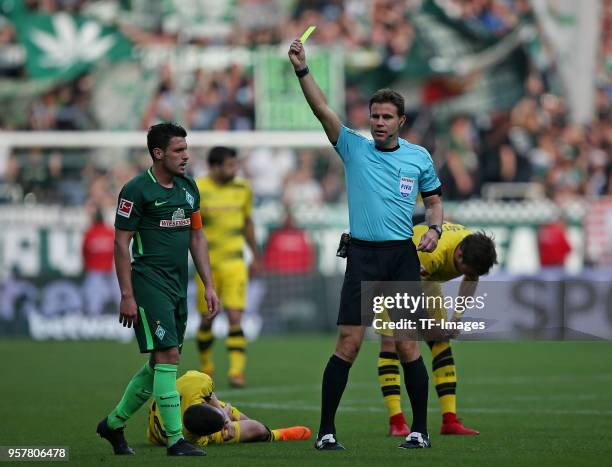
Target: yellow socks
<point>236,346</point>
<point>205,341</point>
<point>389,381</point>
<point>445,376</point>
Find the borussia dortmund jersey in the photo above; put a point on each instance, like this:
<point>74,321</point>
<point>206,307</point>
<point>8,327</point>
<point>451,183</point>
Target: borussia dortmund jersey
<point>194,388</point>
<point>224,209</point>
<point>439,265</point>
<point>161,220</point>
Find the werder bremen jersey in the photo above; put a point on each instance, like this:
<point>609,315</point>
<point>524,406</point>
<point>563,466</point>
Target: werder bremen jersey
<point>161,219</point>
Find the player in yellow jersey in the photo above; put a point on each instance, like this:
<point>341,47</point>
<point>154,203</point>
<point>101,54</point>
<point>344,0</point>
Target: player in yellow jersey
<point>197,388</point>
<point>459,253</point>
<point>226,216</point>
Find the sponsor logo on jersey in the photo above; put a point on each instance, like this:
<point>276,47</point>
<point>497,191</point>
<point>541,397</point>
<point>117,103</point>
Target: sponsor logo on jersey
<point>159,203</point>
<point>178,215</point>
<point>125,208</point>
<point>406,186</point>
<point>178,219</point>
<point>190,199</point>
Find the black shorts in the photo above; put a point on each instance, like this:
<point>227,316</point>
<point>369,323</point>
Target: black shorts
<point>395,260</point>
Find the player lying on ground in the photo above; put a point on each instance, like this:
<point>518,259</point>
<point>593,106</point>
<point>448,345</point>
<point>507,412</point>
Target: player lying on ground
<point>459,252</point>
<point>195,389</point>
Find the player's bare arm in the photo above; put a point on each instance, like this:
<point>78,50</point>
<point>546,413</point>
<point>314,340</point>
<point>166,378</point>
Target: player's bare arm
<point>467,288</point>
<point>434,215</point>
<point>128,315</point>
<point>228,429</point>
<point>313,94</point>
<point>227,410</point>
<point>249,235</point>
<point>198,247</point>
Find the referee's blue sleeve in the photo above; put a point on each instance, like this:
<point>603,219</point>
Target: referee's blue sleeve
<point>348,142</point>
<point>429,180</point>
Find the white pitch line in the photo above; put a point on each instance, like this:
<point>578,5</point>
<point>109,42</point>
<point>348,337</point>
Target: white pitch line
<point>299,406</point>
<point>501,380</point>
<point>517,398</point>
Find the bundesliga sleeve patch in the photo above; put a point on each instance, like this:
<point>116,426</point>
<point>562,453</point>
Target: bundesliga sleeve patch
<point>125,208</point>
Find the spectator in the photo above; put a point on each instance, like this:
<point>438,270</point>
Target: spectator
<point>289,250</point>
<point>100,285</point>
<point>44,113</point>
<point>38,176</point>
<point>166,105</point>
<point>553,245</point>
<point>301,188</point>
<point>515,154</point>
<point>460,172</point>
<point>267,169</point>
<point>537,145</point>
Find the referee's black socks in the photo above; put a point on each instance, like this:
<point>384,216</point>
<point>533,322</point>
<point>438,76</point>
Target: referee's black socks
<point>335,377</point>
<point>417,386</point>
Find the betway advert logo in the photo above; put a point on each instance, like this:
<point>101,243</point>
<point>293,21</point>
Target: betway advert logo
<point>178,220</point>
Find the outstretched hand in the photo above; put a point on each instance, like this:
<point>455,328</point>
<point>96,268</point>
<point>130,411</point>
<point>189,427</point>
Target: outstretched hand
<point>297,55</point>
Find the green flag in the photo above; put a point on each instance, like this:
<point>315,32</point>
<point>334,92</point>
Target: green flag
<point>62,46</point>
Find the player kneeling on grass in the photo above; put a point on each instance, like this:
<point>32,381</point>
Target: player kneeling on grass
<point>202,426</point>
<point>459,252</point>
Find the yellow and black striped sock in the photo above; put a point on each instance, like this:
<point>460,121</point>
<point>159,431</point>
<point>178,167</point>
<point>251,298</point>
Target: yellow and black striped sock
<point>445,375</point>
<point>236,346</point>
<point>205,339</point>
<point>389,381</point>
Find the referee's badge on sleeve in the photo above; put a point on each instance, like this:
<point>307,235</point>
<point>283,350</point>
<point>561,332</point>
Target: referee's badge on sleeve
<point>406,185</point>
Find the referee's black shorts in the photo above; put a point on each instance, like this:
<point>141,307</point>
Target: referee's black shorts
<point>395,260</point>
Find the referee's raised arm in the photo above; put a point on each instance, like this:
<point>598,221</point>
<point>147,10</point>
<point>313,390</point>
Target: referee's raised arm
<point>314,96</point>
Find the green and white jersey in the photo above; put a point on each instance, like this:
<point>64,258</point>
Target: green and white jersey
<point>161,219</point>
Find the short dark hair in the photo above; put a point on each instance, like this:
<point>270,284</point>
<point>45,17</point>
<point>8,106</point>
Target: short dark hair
<point>479,252</point>
<point>159,135</point>
<point>388,95</point>
<point>218,154</point>
<point>203,419</point>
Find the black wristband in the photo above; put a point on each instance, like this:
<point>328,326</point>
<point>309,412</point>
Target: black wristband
<point>303,72</point>
<point>438,230</point>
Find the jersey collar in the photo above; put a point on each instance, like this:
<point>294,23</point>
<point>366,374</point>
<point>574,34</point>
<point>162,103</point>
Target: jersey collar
<point>150,173</point>
<point>387,149</point>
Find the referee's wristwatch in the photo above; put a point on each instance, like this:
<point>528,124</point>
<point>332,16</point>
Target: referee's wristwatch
<point>438,229</point>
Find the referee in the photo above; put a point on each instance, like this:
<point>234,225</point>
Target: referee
<point>383,179</point>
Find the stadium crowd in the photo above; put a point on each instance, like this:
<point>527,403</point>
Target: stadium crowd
<point>535,141</point>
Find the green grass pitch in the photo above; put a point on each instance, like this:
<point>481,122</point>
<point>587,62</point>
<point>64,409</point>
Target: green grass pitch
<point>547,403</point>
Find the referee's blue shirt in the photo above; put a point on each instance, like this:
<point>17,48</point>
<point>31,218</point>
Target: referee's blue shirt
<point>383,186</point>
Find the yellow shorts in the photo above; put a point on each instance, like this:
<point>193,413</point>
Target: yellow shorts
<point>230,280</point>
<point>436,312</point>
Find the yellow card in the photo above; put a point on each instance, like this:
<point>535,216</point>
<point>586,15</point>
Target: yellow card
<point>307,34</point>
